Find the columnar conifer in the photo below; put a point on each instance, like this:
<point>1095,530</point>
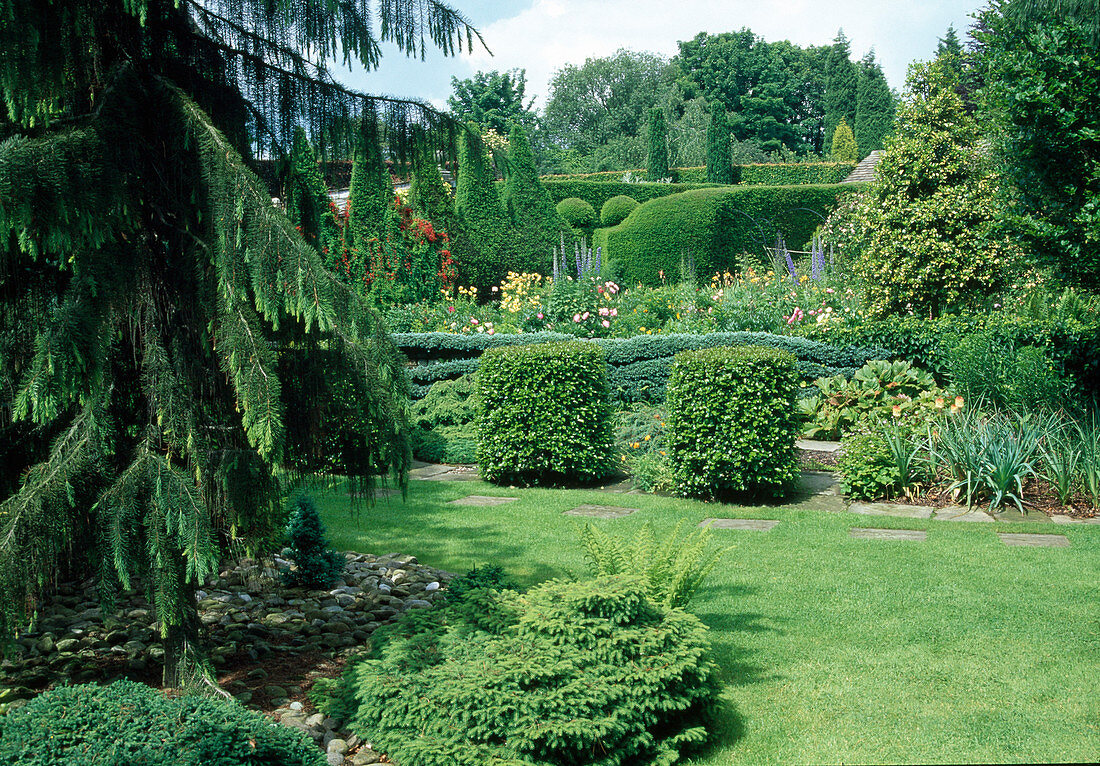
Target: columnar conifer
<point>719,161</point>
<point>657,158</point>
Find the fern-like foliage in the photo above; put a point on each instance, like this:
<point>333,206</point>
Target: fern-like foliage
<point>673,568</point>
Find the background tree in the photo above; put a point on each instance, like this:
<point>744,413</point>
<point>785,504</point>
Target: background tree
<point>719,164</point>
<point>657,156</point>
<point>429,195</point>
<point>844,144</point>
<point>307,202</point>
<point>185,342</point>
<point>874,106</point>
<point>493,100</point>
<point>1042,96</point>
<point>841,87</point>
<point>370,198</point>
<point>931,208</point>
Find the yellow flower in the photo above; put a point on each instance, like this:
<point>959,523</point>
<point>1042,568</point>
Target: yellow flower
<point>646,437</point>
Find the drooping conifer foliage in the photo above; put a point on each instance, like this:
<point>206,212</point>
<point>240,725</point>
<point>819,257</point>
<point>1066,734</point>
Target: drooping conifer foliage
<point>168,342</point>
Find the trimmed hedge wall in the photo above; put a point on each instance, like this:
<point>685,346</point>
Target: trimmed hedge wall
<point>596,193</point>
<point>714,226</point>
<point>130,723</point>
<point>637,368</point>
<point>768,174</point>
<point>732,421</point>
<point>544,414</point>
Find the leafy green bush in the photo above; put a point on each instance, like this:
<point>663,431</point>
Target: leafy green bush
<point>879,392</point>
<point>569,673</point>
<point>616,209</point>
<point>715,226</point>
<point>673,568</point>
<point>130,723</point>
<point>544,414</point>
<point>867,465</point>
<point>732,422</point>
<point>315,566</point>
<point>578,213</point>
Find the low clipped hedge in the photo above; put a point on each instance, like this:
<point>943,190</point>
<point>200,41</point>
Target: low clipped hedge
<point>637,368</point>
<point>544,414</point>
<point>732,422</point>
<point>769,174</point>
<point>616,209</point>
<point>596,193</point>
<point>715,227</point>
<point>130,723</point>
<point>570,673</point>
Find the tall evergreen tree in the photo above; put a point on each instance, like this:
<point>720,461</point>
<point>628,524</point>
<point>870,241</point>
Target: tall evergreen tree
<point>841,87</point>
<point>719,162</point>
<point>307,202</point>
<point>429,195</point>
<point>657,157</point>
<point>845,148</point>
<point>537,225</point>
<point>371,195</point>
<point>874,106</point>
<point>482,255</point>
<point>186,345</point>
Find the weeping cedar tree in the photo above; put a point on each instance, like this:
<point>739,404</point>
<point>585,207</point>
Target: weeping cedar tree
<point>170,344</point>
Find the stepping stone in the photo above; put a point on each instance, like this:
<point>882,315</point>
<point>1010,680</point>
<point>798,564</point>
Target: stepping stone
<point>1061,518</point>
<point>819,483</point>
<point>887,534</point>
<point>1034,541</point>
<point>893,509</point>
<point>429,471</point>
<point>958,513</point>
<point>483,500</point>
<point>816,446</point>
<point>757,525</point>
<point>1015,514</point>
<point>600,511</point>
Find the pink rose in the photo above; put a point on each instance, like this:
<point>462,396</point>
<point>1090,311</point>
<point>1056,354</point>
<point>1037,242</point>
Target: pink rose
<point>606,323</point>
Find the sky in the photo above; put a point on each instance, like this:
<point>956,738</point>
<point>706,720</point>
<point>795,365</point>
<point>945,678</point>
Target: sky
<point>542,36</point>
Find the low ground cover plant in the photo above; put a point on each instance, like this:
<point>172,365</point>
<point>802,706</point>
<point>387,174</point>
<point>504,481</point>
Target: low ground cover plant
<point>444,429</point>
<point>130,723</point>
<point>592,671</point>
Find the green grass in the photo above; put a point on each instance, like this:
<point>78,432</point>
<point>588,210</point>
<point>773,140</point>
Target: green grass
<point>835,650</point>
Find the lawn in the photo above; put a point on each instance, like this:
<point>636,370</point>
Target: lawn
<point>835,650</point>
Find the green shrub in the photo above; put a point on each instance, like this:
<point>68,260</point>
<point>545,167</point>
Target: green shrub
<point>657,154</point>
<point>315,566</point>
<point>844,147</point>
<point>715,227</point>
<point>867,466</point>
<point>130,723</point>
<point>596,193</point>
<point>616,209</point>
<point>544,414</point>
<point>673,568</point>
<point>732,423</point>
<point>1000,374</point>
<point>578,213</point>
<point>570,673</point>
<point>790,173</point>
<point>490,576</point>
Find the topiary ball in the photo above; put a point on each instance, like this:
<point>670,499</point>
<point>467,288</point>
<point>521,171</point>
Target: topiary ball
<point>616,209</point>
<point>577,213</point>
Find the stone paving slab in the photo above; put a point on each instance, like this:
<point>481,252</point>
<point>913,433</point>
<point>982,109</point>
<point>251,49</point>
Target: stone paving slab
<point>1016,515</point>
<point>434,472</point>
<point>483,500</point>
<point>958,513</point>
<point>819,483</point>
<point>600,511</point>
<point>625,487</point>
<point>1034,541</point>
<point>756,525</point>
<point>893,509</point>
<point>817,446</point>
<point>887,534</point>
<point>1061,518</point>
